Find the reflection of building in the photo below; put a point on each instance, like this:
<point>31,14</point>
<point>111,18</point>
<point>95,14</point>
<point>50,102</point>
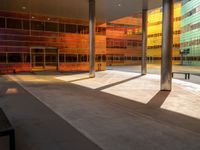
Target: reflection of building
<point>190,32</point>
<point>35,42</point>
<point>124,41</point>
<point>154,41</point>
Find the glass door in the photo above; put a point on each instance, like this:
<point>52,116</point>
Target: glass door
<point>44,59</point>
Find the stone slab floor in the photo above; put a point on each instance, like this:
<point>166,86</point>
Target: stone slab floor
<point>115,111</point>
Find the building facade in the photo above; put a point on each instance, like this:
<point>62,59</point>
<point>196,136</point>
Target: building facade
<point>154,41</point>
<point>124,41</point>
<point>190,32</point>
<point>30,42</point>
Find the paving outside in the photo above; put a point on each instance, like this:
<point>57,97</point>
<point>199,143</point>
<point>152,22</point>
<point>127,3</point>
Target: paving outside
<point>117,110</point>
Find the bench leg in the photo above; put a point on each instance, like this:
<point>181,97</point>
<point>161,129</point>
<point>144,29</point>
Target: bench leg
<point>188,76</point>
<point>185,76</point>
<point>12,140</point>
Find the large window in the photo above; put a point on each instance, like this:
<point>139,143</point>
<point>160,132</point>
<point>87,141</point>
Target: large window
<point>70,28</point>
<point>26,57</point>
<point>14,57</point>
<point>26,24</point>
<point>2,22</point>
<point>61,28</point>
<point>2,57</point>
<point>50,26</point>
<point>101,31</point>
<point>37,25</point>
<point>71,58</point>
<point>83,29</point>
<point>82,58</point>
<point>62,58</point>
<point>14,23</point>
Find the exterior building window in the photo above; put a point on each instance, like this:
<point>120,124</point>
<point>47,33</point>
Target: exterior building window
<point>14,57</point>
<point>26,24</point>
<point>83,29</point>
<point>2,22</point>
<point>62,57</point>
<point>2,57</point>
<point>71,58</point>
<point>82,58</point>
<point>70,28</point>
<point>50,26</point>
<point>98,58</point>
<point>61,27</point>
<point>37,25</point>
<point>14,23</point>
<point>100,31</point>
<point>26,57</point>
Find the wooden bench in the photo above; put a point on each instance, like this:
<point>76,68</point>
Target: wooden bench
<point>8,69</point>
<point>6,129</point>
<point>187,75</point>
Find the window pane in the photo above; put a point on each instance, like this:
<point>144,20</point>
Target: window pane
<point>61,28</point>
<point>14,57</point>
<point>26,58</point>
<point>83,29</point>
<point>71,58</point>
<point>70,28</point>
<point>14,23</point>
<point>37,25</point>
<point>26,24</point>
<point>2,57</point>
<point>2,22</point>
<point>82,58</point>
<point>62,58</point>
<point>50,26</point>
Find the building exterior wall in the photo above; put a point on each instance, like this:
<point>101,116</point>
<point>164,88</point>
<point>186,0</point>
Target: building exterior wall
<point>21,33</point>
<point>154,41</point>
<point>190,32</point>
<point>124,41</point>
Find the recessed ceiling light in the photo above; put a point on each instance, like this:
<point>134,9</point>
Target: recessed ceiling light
<point>23,7</point>
<point>48,18</point>
<point>33,17</point>
<point>119,5</point>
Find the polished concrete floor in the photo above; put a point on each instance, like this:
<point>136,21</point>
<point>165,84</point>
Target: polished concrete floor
<point>117,110</point>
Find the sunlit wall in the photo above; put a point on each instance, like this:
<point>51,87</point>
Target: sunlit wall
<point>154,41</point>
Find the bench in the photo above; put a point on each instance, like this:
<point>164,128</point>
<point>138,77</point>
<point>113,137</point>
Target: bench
<point>6,129</point>
<point>187,75</point>
<point>8,69</point>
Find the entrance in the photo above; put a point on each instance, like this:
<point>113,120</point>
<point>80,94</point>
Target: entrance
<point>44,59</point>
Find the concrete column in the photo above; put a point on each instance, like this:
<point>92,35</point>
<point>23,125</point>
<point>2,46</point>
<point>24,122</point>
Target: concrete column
<point>144,42</point>
<point>167,45</point>
<point>92,30</point>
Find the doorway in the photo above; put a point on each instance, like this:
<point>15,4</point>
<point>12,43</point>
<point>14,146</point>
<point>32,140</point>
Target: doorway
<point>44,59</point>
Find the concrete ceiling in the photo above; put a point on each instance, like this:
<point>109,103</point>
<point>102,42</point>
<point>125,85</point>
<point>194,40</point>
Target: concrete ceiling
<point>106,9</point>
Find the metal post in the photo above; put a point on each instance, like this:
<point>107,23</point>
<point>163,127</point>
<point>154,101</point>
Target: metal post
<point>144,42</point>
<point>167,43</point>
<point>58,60</point>
<point>92,28</point>
<point>44,57</point>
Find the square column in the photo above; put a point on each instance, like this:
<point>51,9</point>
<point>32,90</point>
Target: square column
<point>144,42</point>
<point>92,33</point>
<point>167,45</point>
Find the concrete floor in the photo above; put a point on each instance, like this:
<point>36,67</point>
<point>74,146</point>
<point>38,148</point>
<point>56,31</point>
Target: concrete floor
<point>37,127</point>
<point>116,110</point>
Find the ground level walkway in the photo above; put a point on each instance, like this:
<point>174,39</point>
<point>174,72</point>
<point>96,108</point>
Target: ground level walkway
<point>116,111</point>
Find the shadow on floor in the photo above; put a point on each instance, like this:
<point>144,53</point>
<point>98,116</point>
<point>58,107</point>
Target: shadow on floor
<point>37,127</point>
<point>116,83</point>
<point>158,99</point>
